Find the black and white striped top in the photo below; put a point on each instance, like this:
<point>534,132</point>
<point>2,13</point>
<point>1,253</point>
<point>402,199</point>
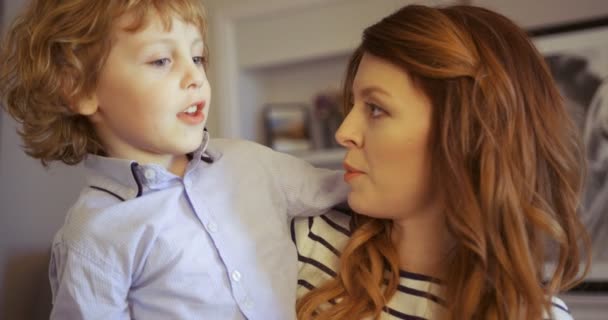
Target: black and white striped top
<point>320,240</point>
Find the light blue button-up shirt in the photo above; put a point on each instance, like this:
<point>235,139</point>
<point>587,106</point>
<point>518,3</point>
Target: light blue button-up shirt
<point>142,243</point>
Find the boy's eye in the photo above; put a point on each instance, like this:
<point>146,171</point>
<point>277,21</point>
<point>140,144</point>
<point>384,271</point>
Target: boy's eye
<point>199,60</point>
<point>161,62</point>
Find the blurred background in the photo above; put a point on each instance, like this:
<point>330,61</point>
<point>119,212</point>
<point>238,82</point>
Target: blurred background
<point>276,68</point>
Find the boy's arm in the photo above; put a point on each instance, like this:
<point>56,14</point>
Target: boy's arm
<point>308,190</point>
<point>85,288</point>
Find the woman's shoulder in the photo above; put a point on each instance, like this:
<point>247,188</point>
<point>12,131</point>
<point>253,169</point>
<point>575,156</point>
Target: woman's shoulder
<point>322,237</point>
<point>319,241</point>
<point>332,227</point>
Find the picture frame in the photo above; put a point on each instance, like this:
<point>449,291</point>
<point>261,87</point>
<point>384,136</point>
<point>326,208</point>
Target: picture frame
<point>577,56</point>
<point>327,116</point>
<point>287,127</point>
<point>1,31</point>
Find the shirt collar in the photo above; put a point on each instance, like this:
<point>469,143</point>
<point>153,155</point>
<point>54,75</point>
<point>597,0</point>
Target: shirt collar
<point>127,179</point>
<point>201,151</point>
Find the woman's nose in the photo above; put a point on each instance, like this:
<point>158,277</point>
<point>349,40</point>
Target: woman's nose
<point>349,133</point>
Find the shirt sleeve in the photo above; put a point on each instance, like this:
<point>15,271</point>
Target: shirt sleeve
<point>308,190</point>
<point>84,287</point>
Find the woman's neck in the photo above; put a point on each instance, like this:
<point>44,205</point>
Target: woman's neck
<point>422,242</point>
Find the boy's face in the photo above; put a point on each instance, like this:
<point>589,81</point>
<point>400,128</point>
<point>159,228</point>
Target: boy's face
<point>152,97</point>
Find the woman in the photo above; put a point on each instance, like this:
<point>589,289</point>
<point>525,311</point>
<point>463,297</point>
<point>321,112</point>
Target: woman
<point>463,165</point>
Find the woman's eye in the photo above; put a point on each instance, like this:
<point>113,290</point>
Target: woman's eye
<point>375,111</point>
<point>161,62</point>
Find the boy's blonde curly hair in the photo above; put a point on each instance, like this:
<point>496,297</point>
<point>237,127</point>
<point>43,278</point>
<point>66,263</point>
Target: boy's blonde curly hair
<point>51,58</point>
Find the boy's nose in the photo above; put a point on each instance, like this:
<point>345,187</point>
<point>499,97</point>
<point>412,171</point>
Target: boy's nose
<point>196,82</point>
<point>194,77</point>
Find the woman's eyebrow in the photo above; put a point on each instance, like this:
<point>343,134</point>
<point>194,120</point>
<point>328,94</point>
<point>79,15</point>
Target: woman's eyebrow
<point>369,90</point>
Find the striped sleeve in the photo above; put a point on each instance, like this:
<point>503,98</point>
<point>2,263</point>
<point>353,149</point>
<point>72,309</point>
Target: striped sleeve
<point>319,241</point>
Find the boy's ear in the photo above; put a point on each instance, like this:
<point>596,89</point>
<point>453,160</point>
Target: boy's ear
<point>86,106</point>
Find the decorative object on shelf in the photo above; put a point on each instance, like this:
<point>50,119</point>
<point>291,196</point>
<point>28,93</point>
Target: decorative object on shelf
<point>287,127</point>
<point>327,117</point>
<point>577,55</point>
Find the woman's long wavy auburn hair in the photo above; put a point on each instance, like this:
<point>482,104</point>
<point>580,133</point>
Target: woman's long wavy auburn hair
<point>508,159</point>
<point>51,58</point>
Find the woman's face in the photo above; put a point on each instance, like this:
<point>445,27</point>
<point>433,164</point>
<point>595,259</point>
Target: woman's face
<point>386,134</point>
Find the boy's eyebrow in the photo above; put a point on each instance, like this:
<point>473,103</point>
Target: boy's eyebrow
<point>167,41</point>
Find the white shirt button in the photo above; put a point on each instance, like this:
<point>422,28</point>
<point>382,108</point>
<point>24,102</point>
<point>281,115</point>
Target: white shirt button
<point>149,174</point>
<point>212,227</point>
<point>236,276</point>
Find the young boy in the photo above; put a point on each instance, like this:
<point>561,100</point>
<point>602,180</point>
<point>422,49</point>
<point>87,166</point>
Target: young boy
<point>171,225</point>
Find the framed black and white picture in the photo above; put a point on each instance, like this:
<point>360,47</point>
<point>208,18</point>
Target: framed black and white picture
<point>577,55</point>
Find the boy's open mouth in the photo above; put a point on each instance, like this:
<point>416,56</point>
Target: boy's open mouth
<point>193,114</point>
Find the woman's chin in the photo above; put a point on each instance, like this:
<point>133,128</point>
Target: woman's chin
<point>357,204</point>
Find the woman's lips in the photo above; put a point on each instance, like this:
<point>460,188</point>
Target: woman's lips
<point>351,172</point>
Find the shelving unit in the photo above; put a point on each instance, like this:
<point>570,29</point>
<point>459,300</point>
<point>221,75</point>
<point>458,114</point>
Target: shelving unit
<point>279,51</point>
<point>314,37</point>
<point>289,83</point>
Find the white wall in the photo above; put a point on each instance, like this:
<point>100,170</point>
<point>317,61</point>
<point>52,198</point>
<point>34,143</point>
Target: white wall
<point>33,201</point>
<point>544,12</point>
